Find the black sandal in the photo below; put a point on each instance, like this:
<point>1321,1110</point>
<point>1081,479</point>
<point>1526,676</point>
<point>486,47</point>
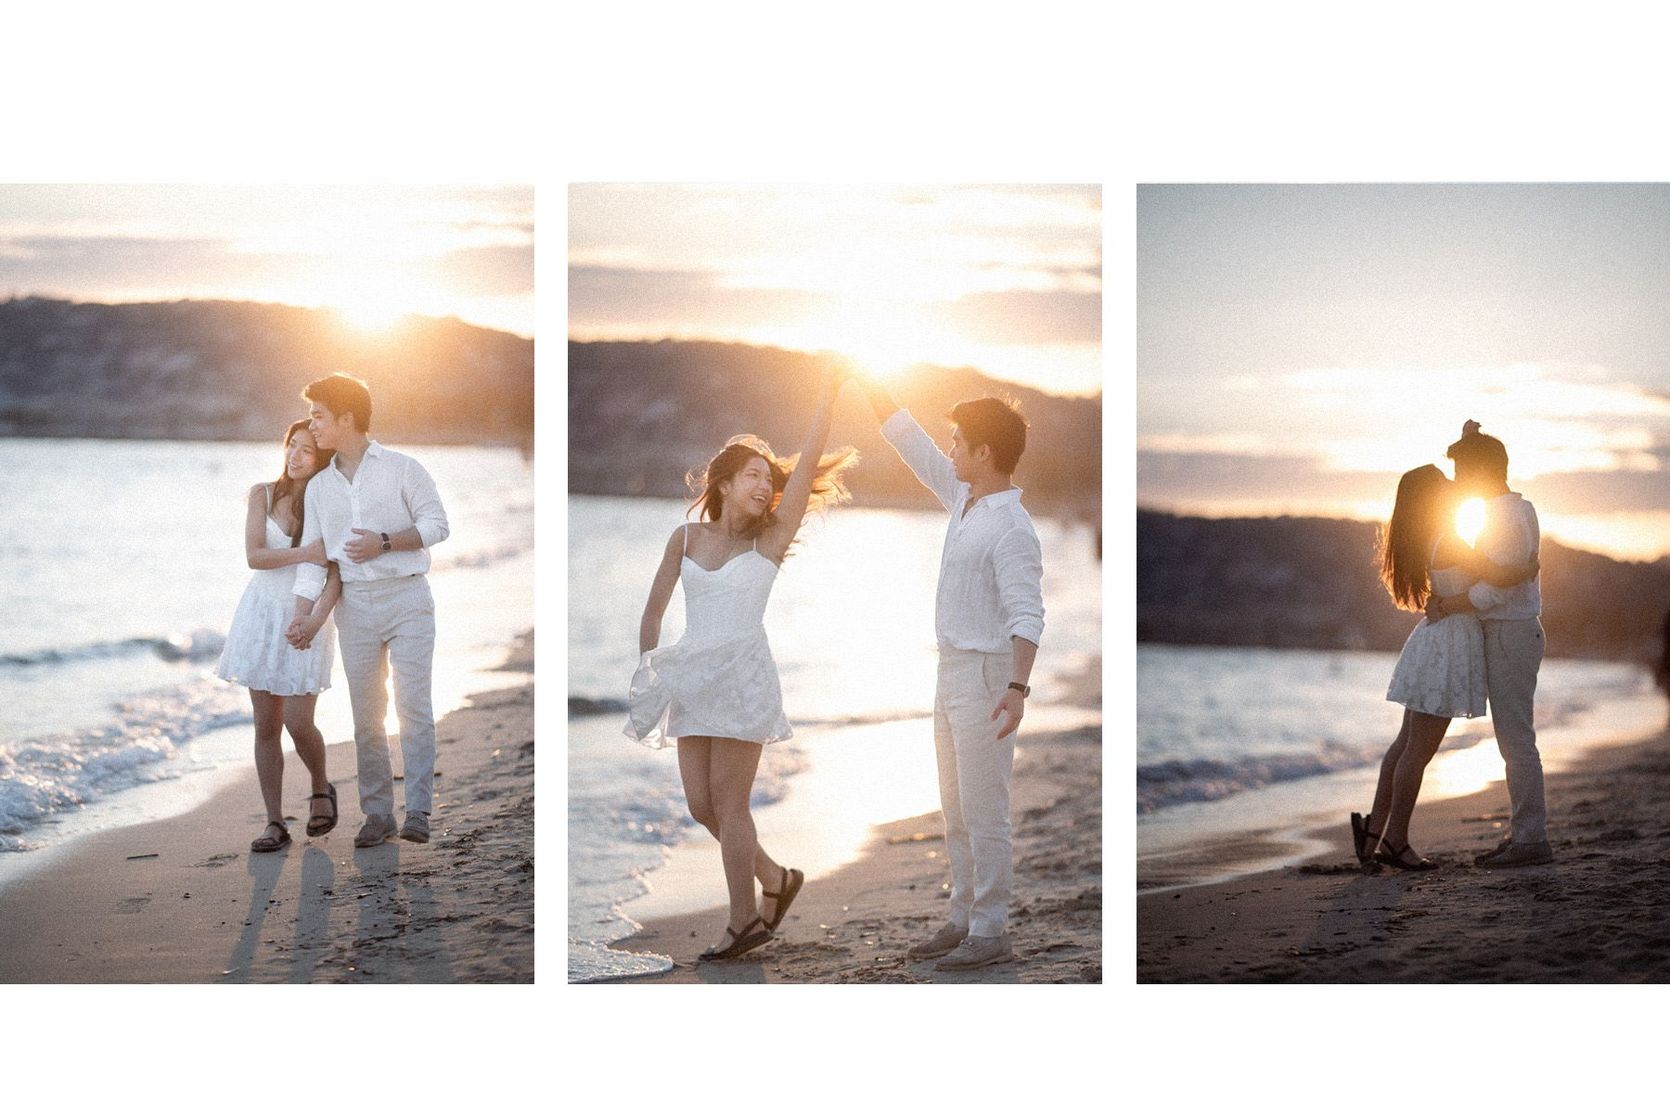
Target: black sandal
<point>320,824</point>
<point>1396,859</point>
<point>1365,839</point>
<point>266,844</point>
<point>740,944</point>
<point>792,881</point>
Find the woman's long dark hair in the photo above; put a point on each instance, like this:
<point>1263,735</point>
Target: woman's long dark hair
<point>828,484</point>
<point>1424,508</point>
<point>294,488</point>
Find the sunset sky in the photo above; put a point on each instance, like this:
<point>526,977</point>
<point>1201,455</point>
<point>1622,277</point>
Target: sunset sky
<point>1298,347</point>
<point>374,252</point>
<point>1004,278</point>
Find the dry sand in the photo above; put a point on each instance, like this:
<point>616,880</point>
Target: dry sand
<point>199,907</point>
<point>1599,913</point>
<point>856,924</point>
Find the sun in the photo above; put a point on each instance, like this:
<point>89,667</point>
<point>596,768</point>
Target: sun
<point>1469,520</point>
<point>372,314</point>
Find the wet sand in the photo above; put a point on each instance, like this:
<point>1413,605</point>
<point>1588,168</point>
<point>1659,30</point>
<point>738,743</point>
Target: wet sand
<point>1599,913</point>
<point>855,924</point>
<point>183,899</point>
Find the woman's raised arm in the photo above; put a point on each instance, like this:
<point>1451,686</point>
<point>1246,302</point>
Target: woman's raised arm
<point>797,494</point>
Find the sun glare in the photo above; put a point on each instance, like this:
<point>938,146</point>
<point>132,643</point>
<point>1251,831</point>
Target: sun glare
<point>1469,520</point>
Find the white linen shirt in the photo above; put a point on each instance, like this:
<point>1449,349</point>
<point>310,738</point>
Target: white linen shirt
<point>991,571</point>
<point>1510,535</point>
<point>390,492</point>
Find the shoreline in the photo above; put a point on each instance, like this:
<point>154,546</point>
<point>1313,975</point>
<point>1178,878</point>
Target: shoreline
<point>1598,913</point>
<point>182,899</point>
<point>855,923</point>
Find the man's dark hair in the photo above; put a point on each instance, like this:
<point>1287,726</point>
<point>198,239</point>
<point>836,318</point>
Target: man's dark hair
<point>1480,452</point>
<point>996,423</point>
<point>342,394</point>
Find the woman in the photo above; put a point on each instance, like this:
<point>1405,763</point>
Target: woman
<point>284,681</point>
<point>1440,673</point>
<point>716,691</point>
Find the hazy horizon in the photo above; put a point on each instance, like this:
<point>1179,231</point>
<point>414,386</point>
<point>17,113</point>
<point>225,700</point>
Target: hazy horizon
<point>374,253</point>
<point>1300,346</point>
<point>1003,278</point>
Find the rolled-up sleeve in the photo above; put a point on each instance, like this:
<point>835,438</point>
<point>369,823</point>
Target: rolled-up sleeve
<point>932,467</point>
<point>423,502</point>
<point>310,578</point>
<point>1018,562</point>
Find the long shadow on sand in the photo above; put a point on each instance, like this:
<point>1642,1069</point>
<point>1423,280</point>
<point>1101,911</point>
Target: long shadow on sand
<point>264,871</point>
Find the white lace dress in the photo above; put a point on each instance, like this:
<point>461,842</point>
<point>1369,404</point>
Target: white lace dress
<point>1441,668</point>
<point>719,680</point>
<point>256,654</point>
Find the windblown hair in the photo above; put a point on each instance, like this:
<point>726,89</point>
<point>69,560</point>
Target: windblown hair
<point>1424,508</point>
<point>342,394</point>
<point>828,483</point>
<point>297,488</point>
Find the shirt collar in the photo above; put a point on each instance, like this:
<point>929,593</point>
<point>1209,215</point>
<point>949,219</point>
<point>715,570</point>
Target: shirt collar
<point>372,448</point>
<point>1013,494</point>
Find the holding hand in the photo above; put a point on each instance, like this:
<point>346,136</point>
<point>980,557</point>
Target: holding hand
<point>364,545</point>
<point>301,632</point>
<point>1012,703</point>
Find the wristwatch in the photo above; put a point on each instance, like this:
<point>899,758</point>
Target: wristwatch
<point>1024,689</point>
<point>387,544</point>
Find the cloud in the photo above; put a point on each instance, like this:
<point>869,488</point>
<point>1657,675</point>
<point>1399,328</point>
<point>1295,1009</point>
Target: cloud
<point>676,301</point>
<point>1027,316</point>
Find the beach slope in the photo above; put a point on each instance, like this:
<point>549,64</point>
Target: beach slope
<point>856,924</point>
<point>1599,913</point>
<point>183,899</point>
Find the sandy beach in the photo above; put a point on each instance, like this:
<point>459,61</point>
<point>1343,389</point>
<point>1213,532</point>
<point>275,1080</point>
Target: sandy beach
<point>183,899</point>
<point>855,924</point>
<point>1599,913</point>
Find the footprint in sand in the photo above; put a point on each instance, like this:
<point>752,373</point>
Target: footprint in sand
<point>133,904</point>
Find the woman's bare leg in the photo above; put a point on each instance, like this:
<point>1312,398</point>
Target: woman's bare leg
<point>310,747</point>
<point>1426,733</point>
<point>732,770</point>
<point>1388,773</point>
<point>269,750</point>
<point>695,755</point>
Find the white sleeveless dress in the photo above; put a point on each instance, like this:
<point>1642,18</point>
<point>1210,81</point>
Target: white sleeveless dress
<point>719,680</point>
<point>256,654</point>
<point>1441,668</point>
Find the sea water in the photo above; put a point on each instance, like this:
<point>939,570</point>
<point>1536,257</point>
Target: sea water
<point>121,564</point>
<point>1275,740</point>
<point>852,630</point>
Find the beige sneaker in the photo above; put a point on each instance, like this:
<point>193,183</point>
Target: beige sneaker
<point>377,829</point>
<point>416,828</point>
<point>978,950</point>
<point>945,941</point>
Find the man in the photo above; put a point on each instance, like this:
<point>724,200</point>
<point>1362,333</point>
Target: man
<point>988,619</point>
<point>1513,639</point>
<point>378,513</point>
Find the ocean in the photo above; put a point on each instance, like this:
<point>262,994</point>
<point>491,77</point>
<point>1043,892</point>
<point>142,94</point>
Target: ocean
<point>124,562</point>
<point>851,628</point>
<point>1271,742</point>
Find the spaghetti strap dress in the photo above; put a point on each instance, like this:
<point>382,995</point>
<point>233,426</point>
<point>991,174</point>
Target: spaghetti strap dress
<point>1441,668</point>
<point>719,680</point>
<point>256,654</point>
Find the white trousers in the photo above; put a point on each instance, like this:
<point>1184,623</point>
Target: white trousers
<point>1512,655</point>
<point>974,769</point>
<point>380,623</point>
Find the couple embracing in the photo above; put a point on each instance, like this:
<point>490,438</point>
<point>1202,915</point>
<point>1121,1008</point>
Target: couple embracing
<point>1480,641</point>
<point>340,545</point>
<point>715,693</point>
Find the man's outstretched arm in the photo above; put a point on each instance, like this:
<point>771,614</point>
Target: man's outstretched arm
<point>932,468</point>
